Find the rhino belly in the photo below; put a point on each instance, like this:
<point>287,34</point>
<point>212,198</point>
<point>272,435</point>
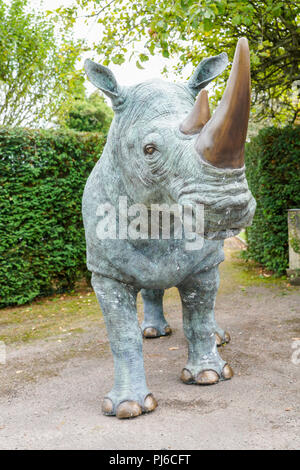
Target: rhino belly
<point>173,265</point>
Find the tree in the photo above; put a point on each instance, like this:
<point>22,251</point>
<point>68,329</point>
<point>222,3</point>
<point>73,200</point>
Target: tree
<point>37,65</point>
<point>192,29</point>
<point>88,114</point>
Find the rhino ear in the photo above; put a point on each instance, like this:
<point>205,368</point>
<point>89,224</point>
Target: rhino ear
<point>207,70</point>
<point>104,79</point>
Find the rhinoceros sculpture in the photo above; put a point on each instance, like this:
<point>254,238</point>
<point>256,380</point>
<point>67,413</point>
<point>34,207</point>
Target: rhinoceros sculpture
<point>164,148</point>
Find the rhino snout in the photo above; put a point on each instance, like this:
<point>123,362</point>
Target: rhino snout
<point>228,203</point>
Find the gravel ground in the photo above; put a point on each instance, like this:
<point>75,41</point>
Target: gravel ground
<point>51,390</point>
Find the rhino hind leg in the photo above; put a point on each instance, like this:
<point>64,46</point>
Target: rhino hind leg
<point>129,396</point>
<point>204,366</point>
<point>222,337</point>
<point>154,324</point>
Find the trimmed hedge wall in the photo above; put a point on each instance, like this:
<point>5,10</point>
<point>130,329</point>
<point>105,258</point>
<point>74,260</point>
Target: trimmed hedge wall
<point>273,173</point>
<point>42,176</point>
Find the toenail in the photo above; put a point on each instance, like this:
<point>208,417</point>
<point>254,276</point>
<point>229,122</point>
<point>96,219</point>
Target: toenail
<point>186,376</point>
<point>150,332</point>
<point>207,377</point>
<point>107,406</point>
<point>227,337</point>
<point>128,409</point>
<point>218,339</point>
<point>150,403</point>
<point>227,372</point>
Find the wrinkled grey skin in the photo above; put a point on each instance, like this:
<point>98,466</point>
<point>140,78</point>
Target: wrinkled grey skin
<point>153,312</point>
<point>155,320</point>
<point>150,113</point>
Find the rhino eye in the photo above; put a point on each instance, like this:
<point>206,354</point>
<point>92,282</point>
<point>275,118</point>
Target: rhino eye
<point>149,149</point>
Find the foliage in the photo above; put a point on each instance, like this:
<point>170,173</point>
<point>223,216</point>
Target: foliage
<point>42,244</point>
<point>88,114</point>
<point>37,70</point>
<point>273,173</point>
<point>191,30</point>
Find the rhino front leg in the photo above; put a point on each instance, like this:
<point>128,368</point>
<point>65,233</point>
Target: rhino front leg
<point>130,396</point>
<point>204,366</point>
<point>154,324</point>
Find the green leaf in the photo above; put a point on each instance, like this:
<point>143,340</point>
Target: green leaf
<point>139,66</point>
<point>143,57</point>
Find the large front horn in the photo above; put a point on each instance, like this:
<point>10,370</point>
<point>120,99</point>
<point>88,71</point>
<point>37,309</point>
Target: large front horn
<point>221,141</point>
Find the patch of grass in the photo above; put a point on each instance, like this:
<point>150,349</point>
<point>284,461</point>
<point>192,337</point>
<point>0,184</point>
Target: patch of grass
<point>242,235</point>
<point>57,315</point>
<point>62,315</point>
<point>236,273</point>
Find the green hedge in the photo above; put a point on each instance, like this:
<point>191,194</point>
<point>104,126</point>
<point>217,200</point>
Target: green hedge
<point>273,173</point>
<point>42,176</point>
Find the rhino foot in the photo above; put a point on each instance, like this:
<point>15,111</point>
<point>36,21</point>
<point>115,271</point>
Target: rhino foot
<point>206,376</point>
<point>222,338</point>
<point>156,330</point>
<point>153,332</point>
<point>128,408</point>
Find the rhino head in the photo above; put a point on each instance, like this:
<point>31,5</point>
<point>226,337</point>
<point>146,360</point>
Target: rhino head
<point>168,149</point>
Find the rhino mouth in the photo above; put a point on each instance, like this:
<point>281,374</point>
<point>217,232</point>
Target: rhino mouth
<point>218,225</point>
<point>213,231</point>
<point>227,203</point>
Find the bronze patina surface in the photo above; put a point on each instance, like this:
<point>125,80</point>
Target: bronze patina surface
<point>163,148</point>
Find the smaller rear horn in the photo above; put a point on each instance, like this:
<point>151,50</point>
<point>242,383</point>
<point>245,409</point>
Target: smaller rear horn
<point>198,117</point>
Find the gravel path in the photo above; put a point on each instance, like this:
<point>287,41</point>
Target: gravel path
<point>51,390</point>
